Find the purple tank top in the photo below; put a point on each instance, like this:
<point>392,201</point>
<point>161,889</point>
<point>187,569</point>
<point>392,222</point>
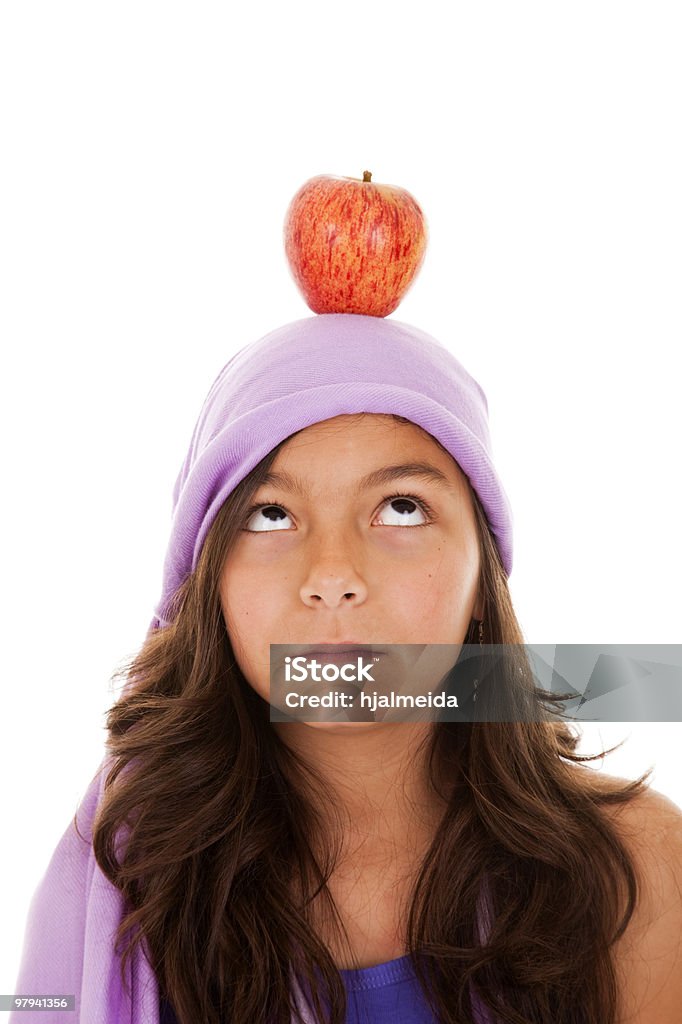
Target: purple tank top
<point>390,993</point>
<point>387,993</point>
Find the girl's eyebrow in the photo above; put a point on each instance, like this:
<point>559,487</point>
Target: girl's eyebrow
<point>384,475</point>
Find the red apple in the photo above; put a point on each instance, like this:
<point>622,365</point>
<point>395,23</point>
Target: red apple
<point>354,246</point>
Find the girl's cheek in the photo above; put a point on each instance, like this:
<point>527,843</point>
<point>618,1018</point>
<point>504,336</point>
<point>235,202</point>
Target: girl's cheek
<point>263,549</point>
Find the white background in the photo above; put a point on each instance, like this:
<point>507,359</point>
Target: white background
<point>149,153</point>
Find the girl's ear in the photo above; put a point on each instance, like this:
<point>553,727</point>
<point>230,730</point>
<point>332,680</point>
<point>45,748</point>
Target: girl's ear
<point>478,609</point>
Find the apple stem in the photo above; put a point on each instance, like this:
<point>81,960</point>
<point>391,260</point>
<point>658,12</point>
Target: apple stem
<point>366,175</point>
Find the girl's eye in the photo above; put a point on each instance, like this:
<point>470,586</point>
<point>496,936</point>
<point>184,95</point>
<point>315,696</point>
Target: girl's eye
<point>268,516</point>
<point>403,509</point>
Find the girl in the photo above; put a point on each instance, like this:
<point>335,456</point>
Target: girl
<point>226,867</point>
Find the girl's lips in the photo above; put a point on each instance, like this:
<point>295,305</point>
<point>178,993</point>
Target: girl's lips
<point>355,647</point>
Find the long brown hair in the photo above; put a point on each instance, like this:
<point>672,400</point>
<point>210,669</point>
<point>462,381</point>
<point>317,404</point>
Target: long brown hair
<point>219,815</point>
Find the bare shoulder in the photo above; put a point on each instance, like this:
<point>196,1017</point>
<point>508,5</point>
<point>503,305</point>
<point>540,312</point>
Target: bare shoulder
<point>648,956</point>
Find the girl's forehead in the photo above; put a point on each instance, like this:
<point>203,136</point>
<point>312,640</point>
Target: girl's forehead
<point>371,429</point>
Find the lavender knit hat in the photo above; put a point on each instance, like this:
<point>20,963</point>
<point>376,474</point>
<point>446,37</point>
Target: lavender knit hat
<point>311,370</point>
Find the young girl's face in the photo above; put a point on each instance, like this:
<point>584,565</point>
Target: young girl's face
<point>336,560</point>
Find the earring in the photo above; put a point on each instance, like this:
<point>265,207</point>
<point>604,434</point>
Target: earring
<point>480,641</point>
